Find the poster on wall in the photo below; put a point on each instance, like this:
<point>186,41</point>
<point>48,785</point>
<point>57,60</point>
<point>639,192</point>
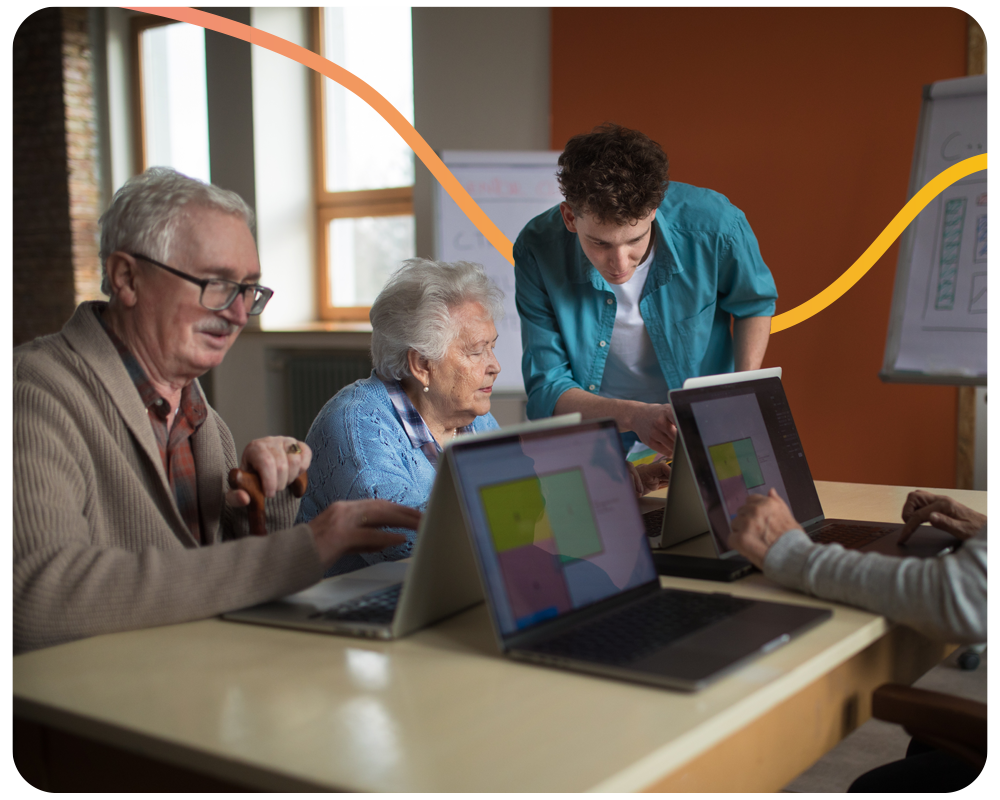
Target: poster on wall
<point>512,188</point>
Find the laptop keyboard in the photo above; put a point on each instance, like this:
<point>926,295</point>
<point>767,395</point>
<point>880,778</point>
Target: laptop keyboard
<point>375,607</point>
<point>653,520</point>
<point>852,537</point>
<point>633,632</point>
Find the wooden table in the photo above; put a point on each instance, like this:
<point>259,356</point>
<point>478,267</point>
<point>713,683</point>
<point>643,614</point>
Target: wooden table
<point>442,711</point>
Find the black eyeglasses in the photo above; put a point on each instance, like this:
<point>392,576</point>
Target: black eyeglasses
<point>217,294</point>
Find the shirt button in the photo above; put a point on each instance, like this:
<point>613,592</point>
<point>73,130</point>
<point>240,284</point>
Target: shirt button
<point>604,343</point>
<point>610,301</point>
<point>591,387</point>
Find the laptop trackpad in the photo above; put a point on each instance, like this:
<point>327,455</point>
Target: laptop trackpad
<point>925,542</point>
<point>754,630</point>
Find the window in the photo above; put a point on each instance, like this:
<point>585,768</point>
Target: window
<point>364,169</point>
<point>171,99</point>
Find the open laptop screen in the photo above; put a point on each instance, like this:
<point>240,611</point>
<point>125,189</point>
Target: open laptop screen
<point>554,520</point>
<point>742,440</point>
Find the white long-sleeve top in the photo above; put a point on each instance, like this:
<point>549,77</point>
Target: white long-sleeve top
<point>944,597</point>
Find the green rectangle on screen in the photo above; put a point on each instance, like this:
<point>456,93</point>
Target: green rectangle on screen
<point>749,465</point>
<point>567,505</point>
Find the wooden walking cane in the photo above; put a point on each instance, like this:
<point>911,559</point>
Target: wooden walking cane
<point>249,482</point>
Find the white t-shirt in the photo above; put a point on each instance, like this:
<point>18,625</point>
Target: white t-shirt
<point>632,371</point>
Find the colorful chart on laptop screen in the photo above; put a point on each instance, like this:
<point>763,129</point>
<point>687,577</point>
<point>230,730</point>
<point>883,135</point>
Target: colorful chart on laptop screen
<point>739,448</point>
<point>554,520</point>
<point>540,526</point>
<point>737,470</point>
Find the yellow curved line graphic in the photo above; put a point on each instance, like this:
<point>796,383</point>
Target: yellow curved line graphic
<point>478,217</point>
<point>916,204</point>
<point>353,84</point>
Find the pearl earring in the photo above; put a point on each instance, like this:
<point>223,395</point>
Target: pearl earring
<point>427,388</point>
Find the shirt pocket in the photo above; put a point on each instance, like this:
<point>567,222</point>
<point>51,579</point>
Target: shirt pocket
<point>694,334</point>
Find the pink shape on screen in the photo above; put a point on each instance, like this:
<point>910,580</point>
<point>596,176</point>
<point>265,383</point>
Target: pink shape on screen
<point>734,490</point>
<point>534,581</point>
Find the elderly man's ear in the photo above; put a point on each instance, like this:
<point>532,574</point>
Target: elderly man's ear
<point>122,274</point>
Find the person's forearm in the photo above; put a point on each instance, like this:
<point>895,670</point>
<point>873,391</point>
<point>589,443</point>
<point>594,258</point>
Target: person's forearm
<point>750,336</point>
<point>944,597</point>
<point>592,406</point>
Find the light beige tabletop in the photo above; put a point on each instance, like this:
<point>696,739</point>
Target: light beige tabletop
<point>438,711</point>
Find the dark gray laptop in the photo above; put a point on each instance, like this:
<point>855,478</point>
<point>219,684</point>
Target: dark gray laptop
<point>568,574</point>
<point>682,516</point>
<point>741,438</point>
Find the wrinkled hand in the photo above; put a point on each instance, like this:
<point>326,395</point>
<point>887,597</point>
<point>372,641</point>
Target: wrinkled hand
<point>274,464</point>
<point>649,477</point>
<point>940,511</point>
<point>759,524</point>
<point>656,427</point>
<point>352,526</point>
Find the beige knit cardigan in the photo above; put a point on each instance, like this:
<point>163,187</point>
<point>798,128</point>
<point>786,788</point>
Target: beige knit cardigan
<point>99,544</point>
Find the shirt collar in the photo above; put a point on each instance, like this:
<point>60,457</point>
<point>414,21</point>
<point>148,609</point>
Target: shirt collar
<point>416,429</point>
<point>192,402</point>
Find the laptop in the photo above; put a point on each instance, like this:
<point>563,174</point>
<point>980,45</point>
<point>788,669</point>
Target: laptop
<point>391,599</point>
<point>568,574</point>
<point>732,377</point>
<point>682,516</point>
<point>740,438</point>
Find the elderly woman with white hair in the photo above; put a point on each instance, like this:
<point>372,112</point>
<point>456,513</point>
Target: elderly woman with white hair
<point>433,335</point>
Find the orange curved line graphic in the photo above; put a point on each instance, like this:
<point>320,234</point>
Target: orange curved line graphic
<point>353,84</point>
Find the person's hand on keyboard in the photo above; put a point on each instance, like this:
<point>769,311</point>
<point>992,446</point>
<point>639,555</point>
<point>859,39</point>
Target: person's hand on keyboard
<point>354,526</point>
<point>759,524</point>
<point>648,478</point>
<point>942,512</point>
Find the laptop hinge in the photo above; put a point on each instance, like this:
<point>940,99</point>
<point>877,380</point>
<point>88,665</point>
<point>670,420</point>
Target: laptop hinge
<point>809,524</point>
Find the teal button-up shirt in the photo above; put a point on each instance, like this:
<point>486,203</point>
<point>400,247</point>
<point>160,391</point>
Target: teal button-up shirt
<point>707,268</point>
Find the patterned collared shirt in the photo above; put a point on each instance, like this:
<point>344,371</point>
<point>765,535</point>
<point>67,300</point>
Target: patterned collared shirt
<point>416,429</point>
<point>174,442</point>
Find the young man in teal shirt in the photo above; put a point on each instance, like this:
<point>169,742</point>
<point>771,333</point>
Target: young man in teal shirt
<point>629,287</point>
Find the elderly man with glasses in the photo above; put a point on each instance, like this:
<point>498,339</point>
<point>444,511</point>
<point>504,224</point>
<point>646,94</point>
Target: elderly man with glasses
<point>123,517</point>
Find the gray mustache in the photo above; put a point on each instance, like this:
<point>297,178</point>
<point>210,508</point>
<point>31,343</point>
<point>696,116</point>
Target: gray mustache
<point>217,325</point>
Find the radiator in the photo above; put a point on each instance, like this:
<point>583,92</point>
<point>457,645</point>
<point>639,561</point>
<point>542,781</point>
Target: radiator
<point>312,377</point>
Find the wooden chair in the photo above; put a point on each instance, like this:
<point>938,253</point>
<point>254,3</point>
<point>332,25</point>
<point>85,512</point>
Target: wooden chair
<point>951,724</point>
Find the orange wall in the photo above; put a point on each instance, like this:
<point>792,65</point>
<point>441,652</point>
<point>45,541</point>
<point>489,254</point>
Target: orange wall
<point>805,119</point>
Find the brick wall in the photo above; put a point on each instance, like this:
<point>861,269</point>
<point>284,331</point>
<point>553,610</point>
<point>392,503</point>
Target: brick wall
<point>55,192</point>
<point>81,153</point>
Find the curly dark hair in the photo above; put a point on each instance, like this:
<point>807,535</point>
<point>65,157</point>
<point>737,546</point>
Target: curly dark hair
<point>616,174</point>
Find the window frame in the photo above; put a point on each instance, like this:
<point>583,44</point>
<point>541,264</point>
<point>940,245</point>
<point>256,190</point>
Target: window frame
<point>138,25</point>
<point>390,202</point>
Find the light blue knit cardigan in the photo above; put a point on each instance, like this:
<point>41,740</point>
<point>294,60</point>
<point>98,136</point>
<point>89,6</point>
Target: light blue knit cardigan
<point>361,451</point>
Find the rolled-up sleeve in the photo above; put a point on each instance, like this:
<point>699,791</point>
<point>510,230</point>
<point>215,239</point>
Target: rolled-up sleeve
<point>746,286</point>
<point>545,363</point>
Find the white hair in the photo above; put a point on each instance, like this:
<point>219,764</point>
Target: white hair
<point>414,311</point>
<point>145,212</point>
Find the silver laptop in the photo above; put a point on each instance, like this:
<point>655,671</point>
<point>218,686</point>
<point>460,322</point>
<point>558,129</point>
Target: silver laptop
<point>682,516</point>
<point>568,574</point>
<point>392,599</point>
<point>741,438</point>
